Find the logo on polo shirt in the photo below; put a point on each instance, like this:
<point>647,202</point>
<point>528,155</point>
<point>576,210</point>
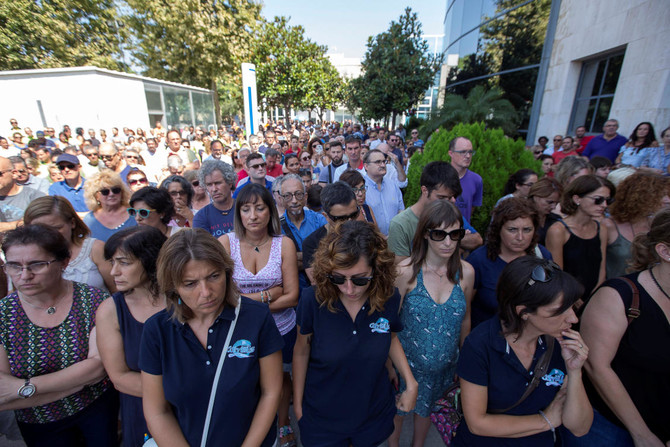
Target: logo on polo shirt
<point>554,378</point>
<point>382,326</point>
<point>242,349</point>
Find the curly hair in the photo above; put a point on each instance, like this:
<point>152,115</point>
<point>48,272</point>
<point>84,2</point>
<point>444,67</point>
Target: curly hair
<point>510,209</point>
<point>342,248</point>
<point>639,195</point>
<point>104,179</point>
<point>644,254</point>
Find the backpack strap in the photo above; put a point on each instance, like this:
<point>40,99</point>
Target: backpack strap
<point>288,232</point>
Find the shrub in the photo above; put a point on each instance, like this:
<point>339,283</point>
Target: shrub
<point>496,158</point>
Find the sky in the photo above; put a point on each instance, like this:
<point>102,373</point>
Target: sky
<point>345,25</point>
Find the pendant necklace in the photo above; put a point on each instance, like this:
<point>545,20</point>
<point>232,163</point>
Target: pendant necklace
<point>49,310</point>
<point>651,270</point>
<point>435,272</point>
<point>256,247</point>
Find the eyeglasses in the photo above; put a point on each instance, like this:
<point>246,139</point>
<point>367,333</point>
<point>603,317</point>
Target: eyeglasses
<point>543,273</point>
<point>439,235</point>
<point>177,193</point>
<point>20,171</point>
<point>346,217</point>
<point>529,184</point>
<point>113,190</point>
<point>258,166</point>
<point>304,158</point>
<point>377,162</point>
<point>299,195</point>
<point>133,157</point>
<point>91,154</point>
<point>464,153</point>
<point>359,281</point>
<point>63,167</point>
<point>135,181</point>
<point>195,183</point>
<point>143,212</point>
<point>598,200</point>
<point>360,190</point>
<point>107,157</point>
<point>15,269</point>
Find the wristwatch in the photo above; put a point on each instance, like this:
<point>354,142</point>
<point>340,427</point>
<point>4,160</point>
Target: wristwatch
<point>27,390</point>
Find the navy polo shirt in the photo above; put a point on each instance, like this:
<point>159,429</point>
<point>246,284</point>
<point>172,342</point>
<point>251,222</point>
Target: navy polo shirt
<point>347,383</point>
<point>74,195</point>
<point>487,360</point>
<point>487,272</point>
<point>171,349</point>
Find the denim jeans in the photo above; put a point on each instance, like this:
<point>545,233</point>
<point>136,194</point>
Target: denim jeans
<point>602,433</point>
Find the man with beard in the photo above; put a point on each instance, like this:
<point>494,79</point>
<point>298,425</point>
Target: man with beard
<point>336,153</point>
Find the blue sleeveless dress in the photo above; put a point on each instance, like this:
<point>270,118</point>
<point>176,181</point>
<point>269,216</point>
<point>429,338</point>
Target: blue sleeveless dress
<point>430,339</point>
<point>132,416</point>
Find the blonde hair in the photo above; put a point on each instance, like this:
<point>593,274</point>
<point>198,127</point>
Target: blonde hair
<point>104,179</point>
<point>50,205</point>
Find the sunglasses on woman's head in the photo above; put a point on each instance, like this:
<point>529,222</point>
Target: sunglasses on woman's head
<point>543,273</point>
<point>359,281</point>
<point>439,235</point>
<point>113,190</point>
<point>143,213</point>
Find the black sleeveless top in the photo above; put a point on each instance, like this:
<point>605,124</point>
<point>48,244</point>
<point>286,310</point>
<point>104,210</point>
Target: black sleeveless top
<point>642,362</point>
<point>582,258</point>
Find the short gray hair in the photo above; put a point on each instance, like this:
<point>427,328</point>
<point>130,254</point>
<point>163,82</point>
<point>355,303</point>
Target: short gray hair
<point>291,177</point>
<point>209,166</point>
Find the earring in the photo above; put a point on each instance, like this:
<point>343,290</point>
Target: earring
<point>179,301</point>
<point>578,204</point>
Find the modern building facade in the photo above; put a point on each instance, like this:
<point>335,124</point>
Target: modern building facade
<point>97,98</point>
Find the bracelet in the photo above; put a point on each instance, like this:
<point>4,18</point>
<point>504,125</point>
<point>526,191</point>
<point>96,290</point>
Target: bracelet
<point>551,426</point>
<point>262,297</point>
<point>268,296</point>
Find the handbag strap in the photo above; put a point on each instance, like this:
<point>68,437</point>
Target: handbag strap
<point>634,310</point>
<point>539,371</point>
<point>205,430</point>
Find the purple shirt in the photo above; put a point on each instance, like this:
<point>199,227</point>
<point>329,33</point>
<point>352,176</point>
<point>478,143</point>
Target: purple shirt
<point>473,189</point>
<point>608,149</point>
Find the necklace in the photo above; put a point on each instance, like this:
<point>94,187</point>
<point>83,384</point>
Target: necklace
<point>49,310</point>
<point>256,247</point>
<point>651,271</point>
<point>432,270</point>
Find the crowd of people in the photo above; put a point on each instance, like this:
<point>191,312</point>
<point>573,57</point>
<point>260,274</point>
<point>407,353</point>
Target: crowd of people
<point>130,258</point>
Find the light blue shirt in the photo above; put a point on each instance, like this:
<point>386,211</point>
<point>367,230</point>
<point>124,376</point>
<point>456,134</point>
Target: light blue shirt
<point>385,201</point>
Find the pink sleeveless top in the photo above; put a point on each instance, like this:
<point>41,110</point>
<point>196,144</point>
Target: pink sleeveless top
<point>267,277</point>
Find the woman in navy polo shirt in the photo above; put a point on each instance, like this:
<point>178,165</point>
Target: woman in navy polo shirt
<point>181,347</point>
<point>347,323</point>
<point>499,357</point>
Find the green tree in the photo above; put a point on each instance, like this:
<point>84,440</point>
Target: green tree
<point>192,41</point>
<point>397,70</point>
<point>481,105</point>
<point>496,158</point>
<point>291,70</point>
<point>59,33</point>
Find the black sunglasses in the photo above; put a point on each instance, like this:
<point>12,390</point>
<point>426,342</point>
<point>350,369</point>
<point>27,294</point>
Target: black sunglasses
<point>543,273</point>
<point>143,213</point>
<point>359,281</point>
<point>351,216</point>
<point>113,190</point>
<point>439,235</point>
<point>63,167</point>
<point>598,200</point>
<point>196,183</point>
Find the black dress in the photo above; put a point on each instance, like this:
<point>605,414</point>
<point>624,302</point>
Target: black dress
<point>582,258</point>
<point>642,362</point>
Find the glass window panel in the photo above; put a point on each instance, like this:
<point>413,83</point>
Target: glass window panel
<point>612,75</point>
<point>595,91</point>
<point>153,100</point>
<point>588,122</point>
<point>588,78</point>
<point>204,109</point>
<point>177,107</point>
<point>602,113</point>
<point>580,113</point>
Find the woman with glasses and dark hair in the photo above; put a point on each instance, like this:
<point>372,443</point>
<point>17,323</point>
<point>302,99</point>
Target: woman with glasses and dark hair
<point>266,270</point>
<point>436,287</point>
<point>629,363</point>
<point>348,324</point>
<point>52,375</point>
<point>107,197</point>
<point>355,179</point>
<point>200,196</point>
<point>519,184</point>
<point>153,207</point>
<point>87,261</point>
<point>512,234</point>
<point>181,192</point>
<point>132,254</point>
<point>183,345</point>
<point>521,372</point>
<point>578,242</point>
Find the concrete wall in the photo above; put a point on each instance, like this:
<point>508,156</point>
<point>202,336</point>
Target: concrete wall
<point>79,99</point>
<point>587,29</point>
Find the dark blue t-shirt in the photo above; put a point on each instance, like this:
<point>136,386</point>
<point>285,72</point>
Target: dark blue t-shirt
<point>214,220</point>
<point>172,350</point>
<point>347,382</point>
<point>487,360</point>
<point>487,272</point>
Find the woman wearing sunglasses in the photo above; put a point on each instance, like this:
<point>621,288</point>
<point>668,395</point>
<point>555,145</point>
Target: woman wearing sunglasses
<point>266,270</point>
<point>107,197</point>
<point>578,242</point>
<point>132,254</point>
<point>153,207</point>
<point>521,373</point>
<point>181,193</point>
<point>436,287</point>
<point>347,326</point>
<point>200,196</point>
<point>87,261</point>
<point>512,234</point>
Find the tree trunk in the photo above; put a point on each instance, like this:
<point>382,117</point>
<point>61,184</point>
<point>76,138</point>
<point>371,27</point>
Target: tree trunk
<point>393,117</point>
<point>217,105</point>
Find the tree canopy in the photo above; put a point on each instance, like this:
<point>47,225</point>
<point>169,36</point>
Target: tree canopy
<point>397,70</point>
